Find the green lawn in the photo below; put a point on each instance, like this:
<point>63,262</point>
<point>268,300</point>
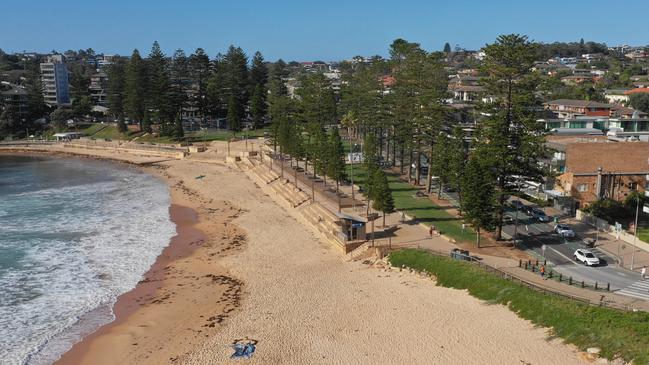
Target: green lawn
<point>617,333</point>
<point>94,128</point>
<point>109,132</point>
<point>643,234</point>
<point>422,208</point>
<point>223,135</point>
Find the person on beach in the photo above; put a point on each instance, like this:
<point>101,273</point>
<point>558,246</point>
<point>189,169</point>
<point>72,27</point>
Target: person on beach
<point>643,272</point>
<point>542,271</point>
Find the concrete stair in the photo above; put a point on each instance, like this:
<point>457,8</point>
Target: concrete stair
<point>286,190</point>
<point>324,221</point>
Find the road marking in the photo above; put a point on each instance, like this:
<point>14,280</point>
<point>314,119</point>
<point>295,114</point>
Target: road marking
<point>639,289</point>
<point>562,255</point>
<point>620,273</point>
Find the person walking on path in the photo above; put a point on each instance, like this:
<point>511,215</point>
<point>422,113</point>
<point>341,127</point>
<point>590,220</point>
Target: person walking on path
<point>430,231</point>
<point>643,272</point>
<point>542,271</point>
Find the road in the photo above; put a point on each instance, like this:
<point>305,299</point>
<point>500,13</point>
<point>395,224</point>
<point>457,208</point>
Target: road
<point>559,252</point>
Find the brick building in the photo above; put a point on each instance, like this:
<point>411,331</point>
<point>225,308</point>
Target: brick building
<point>592,168</point>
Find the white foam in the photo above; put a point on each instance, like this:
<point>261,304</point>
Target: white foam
<point>67,272</point>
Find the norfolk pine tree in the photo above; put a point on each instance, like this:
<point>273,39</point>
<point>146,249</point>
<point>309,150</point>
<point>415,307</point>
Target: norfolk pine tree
<point>479,202</point>
<point>135,89</point>
<point>381,193</point>
<point>510,142</point>
<point>336,158</point>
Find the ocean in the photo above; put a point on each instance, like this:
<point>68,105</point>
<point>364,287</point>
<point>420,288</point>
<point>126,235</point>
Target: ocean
<point>74,234</point>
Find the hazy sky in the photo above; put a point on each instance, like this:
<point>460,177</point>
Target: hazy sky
<point>309,30</point>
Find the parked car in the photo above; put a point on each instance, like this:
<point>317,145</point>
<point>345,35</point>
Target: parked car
<point>540,215</point>
<point>508,219</point>
<point>564,230</point>
<point>586,257</point>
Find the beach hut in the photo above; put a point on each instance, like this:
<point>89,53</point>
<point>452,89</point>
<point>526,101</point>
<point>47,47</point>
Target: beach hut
<point>353,228</point>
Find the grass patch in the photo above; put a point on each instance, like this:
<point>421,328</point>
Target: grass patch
<point>423,209</point>
<point>94,128</point>
<point>618,334</point>
<point>223,135</point>
<point>643,234</point>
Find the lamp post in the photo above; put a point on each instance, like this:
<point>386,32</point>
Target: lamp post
<point>518,204</point>
<point>635,230</point>
<point>351,160</point>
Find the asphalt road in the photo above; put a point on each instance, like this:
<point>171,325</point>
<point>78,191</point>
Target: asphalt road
<point>559,252</point>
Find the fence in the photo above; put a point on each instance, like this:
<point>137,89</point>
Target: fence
<point>516,279</point>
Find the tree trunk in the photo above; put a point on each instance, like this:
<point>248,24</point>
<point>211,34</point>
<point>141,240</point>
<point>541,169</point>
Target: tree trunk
<point>429,176</point>
<point>380,143</point>
<point>410,166</point>
<point>418,172</point>
<point>387,147</point>
<point>439,189</point>
<point>394,151</point>
<point>383,219</point>
<point>401,159</point>
<point>501,209</point>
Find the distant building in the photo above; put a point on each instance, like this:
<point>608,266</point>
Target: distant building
<point>98,89</point>
<point>55,78</point>
<point>616,96</point>
<point>567,108</point>
<point>16,98</point>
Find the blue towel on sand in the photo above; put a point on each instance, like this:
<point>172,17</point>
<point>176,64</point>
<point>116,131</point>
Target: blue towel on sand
<point>243,351</point>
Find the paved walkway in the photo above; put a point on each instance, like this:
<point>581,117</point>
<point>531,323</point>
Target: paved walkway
<point>396,233</point>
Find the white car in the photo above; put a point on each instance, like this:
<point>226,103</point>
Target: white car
<point>564,230</point>
<point>586,257</point>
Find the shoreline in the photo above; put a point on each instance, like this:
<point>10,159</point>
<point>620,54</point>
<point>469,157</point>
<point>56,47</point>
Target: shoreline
<point>180,246</point>
<point>191,221</point>
<point>303,304</point>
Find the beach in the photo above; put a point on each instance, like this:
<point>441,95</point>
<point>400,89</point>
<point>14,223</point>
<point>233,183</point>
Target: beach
<point>243,267</point>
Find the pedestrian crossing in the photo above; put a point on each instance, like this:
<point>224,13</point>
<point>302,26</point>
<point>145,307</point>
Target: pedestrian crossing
<point>639,289</point>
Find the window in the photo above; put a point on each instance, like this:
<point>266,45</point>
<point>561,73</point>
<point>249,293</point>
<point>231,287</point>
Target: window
<point>582,188</point>
<point>633,185</point>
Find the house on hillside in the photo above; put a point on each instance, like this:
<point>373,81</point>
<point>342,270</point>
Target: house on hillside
<point>567,108</point>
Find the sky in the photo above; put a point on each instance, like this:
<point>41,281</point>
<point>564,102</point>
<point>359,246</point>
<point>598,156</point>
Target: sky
<point>309,30</point>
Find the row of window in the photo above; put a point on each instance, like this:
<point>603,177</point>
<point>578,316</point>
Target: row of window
<point>582,188</point>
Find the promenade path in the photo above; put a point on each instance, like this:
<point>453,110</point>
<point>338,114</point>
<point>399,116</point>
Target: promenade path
<point>409,233</point>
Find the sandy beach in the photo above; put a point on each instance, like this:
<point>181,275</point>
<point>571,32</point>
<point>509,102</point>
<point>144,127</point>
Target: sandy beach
<point>243,267</point>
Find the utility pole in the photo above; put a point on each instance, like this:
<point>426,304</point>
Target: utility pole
<point>518,204</point>
<point>351,160</point>
<point>635,230</point>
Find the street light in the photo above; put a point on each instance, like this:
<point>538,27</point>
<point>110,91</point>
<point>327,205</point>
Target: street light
<point>635,229</point>
<point>518,204</point>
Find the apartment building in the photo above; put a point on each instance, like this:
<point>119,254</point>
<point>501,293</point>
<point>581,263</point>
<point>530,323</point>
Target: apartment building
<point>55,78</point>
<point>592,168</point>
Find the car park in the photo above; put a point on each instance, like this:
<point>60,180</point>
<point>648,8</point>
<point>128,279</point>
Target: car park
<point>586,257</point>
<point>564,230</point>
